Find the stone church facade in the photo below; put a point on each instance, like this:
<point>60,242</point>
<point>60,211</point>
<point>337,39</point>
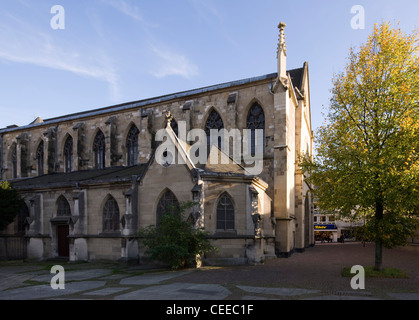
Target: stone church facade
<point>90,180</point>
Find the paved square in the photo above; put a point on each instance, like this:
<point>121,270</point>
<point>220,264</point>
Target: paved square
<point>45,291</point>
<point>155,278</point>
<point>178,291</point>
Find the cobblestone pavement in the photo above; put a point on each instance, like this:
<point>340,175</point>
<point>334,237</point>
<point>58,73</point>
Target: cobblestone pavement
<point>312,275</point>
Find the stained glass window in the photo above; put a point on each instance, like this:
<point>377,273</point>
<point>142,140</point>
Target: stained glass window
<point>225,213</point>
<point>23,214</point>
<point>214,122</point>
<point>174,126</point>
<point>63,208</point>
<point>132,146</point>
<point>68,155</point>
<point>40,158</point>
<point>168,203</point>
<point>256,120</point>
<point>111,216</point>
<point>99,147</point>
<point>14,161</point>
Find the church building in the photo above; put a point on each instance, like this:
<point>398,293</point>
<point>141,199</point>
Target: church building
<point>91,180</point>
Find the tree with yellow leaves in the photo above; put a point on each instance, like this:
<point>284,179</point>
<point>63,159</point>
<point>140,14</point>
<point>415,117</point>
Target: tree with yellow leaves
<point>367,162</point>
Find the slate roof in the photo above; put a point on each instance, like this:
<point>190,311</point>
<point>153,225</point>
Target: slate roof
<point>86,177</point>
<point>224,165</point>
<point>297,77</point>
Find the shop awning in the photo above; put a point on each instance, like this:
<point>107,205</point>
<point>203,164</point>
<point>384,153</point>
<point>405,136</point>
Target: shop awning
<point>324,227</point>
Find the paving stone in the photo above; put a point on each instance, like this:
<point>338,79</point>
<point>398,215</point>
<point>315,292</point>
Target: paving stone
<point>353,293</point>
<point>106,291</point>
<point>13,280</point>
<point>76,275</point>
<point>149,279</point>
<point>254,298</point>
<point>339,297</point>
<point>404,296</point>
<point>278,291</point>
<point>178,291</point>
<point>45,291</point>
<point>114,276</point>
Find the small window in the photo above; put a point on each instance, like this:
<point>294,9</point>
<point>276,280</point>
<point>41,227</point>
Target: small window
<point>225,213</point>
<point>111,216</point>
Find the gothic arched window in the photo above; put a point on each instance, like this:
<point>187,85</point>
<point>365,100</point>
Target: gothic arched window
<point>214,122</point>
<point>111,215</point>
<point>21,218</point>
<point>40,158</point>
<point>14,161</point>
<point>168,204</point>
<point>132,146</point>
<point>225,213</point>
<point>63,207</point>
<point>99,147</point>
<point>174,126</point>
<point>68,155</point>
<point>256,120</point>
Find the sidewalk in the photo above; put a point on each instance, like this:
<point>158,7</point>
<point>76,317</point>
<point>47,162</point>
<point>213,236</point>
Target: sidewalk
<point>314,274</point>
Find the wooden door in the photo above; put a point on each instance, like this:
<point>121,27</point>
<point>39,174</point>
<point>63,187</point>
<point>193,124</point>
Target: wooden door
<point>63,241</point>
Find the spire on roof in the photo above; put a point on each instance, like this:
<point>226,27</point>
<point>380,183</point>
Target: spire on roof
<point>282,46</point>
<point>282,54</point>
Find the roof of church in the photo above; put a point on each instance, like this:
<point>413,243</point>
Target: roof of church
<point>295,74</point>
<point>77,178</point>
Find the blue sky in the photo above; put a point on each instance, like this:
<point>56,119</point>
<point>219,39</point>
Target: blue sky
<point>116,51</point>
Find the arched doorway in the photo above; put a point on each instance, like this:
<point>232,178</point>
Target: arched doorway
<point>62,224</point>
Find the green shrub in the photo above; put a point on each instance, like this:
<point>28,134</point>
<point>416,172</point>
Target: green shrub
<point>10,204</point>
<point>175,241</point>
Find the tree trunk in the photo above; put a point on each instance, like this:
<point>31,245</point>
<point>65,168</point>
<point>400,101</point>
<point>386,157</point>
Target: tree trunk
<point>378,255</point>
<point>379,212</point>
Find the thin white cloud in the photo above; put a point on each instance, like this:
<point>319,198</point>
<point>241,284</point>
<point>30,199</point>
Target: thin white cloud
<point>168,62</point>
<point>22,42</point>
<point>205,9</point>
<point>132,11</point>
<point>126,8</point>
<point>173,64</point>
<point>209,13</point>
